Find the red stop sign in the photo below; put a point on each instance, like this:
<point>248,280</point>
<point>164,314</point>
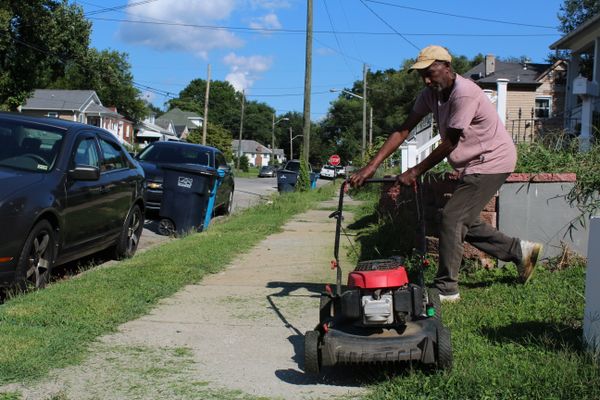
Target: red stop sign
<point>335,160</point>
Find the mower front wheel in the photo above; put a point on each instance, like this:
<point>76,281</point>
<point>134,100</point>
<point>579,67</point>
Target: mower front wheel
<point>444,349</point>
<point>312,354</point>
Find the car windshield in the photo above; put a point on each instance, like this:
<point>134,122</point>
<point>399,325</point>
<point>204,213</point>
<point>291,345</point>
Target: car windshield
<point>29,147</point>
<point>176,155</point>
<point>293,166</point>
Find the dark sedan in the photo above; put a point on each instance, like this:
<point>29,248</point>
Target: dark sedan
<point>67,190</point>
<point>158,154</point>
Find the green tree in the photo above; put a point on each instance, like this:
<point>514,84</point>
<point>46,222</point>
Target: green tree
<point>303,182</point>
<point>224,102</point>
<point>216,136</point>
<point>38,39</point>
<point>109,74</point>
<point>575,12</point>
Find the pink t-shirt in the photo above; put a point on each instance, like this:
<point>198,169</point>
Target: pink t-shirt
<point>485,147</point>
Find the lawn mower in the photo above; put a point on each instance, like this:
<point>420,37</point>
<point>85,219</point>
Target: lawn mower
<point>379,317</point>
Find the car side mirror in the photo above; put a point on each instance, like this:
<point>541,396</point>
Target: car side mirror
<point>85,173</point>
<point>225,168</point>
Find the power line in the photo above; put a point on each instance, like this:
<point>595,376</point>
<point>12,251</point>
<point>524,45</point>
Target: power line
<point>115,8</point>
<point>336,36</point>
<point>303,31</point>
<point>459,16</point>
<point>389,26</point>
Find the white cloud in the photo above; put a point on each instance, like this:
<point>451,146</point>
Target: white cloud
<point>244,71</point>
<point>179,38</point>
<point>270,4</point>
<point>325,51</point>
<point>269,21</point>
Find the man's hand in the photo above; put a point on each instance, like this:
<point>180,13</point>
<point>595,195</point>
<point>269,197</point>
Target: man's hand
<point>407,178</point>
<point>358,178</point>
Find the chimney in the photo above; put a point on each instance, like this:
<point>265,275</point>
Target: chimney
<point>490,64</point>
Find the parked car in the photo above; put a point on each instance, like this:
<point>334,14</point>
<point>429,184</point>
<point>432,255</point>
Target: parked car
<point>330,172</point>
<point>267,171</point>
<point>66,190</point>
<point>157,154</point>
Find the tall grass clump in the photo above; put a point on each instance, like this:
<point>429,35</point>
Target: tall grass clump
<point>556,153</point>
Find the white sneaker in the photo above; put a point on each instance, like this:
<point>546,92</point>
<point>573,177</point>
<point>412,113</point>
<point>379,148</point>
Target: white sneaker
<point>449,298</point>
<point>531,253</point>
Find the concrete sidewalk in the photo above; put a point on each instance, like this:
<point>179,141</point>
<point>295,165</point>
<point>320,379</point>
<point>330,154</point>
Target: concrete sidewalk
<point>241,329</point>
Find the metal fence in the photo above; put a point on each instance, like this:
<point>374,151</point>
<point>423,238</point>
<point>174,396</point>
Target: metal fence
<point>530,129</point>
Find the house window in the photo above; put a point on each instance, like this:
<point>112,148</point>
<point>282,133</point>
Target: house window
<point>543,107</point>
<point>53,115</point>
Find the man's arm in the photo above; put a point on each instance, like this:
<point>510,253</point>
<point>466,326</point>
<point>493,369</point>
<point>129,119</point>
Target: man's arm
<point>391,144</point>
<point>437,155</point>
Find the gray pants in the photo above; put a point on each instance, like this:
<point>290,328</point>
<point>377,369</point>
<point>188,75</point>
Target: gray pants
<point>460,222</point>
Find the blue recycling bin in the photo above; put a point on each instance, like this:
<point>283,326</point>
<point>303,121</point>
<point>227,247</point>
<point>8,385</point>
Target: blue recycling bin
<point>186,203</point>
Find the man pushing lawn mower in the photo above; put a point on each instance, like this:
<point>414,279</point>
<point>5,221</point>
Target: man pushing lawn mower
<point>477,145</point>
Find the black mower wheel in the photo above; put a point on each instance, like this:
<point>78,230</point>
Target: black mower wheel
<point>444,349</point>
<point>433,295</point>
<point>312,357</point>
<point>325,308</point>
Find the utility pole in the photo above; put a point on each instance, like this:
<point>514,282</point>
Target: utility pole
<point>241,130</point>
<point>370,127</point>
<point>364,120</point>
<point>308,77</point>
<point>205,121</point>
<point>291,146</point>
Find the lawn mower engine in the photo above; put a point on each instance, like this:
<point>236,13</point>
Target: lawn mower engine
<point>378,317</point>
<point>379,294</point>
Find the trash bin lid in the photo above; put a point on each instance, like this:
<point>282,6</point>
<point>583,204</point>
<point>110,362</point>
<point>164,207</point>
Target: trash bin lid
<point>191,169</point>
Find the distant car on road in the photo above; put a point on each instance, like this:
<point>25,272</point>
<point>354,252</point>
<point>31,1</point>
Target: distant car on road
<point>267,171</point>
<point>331,172</point>
<point>157,154</point>
<point>67,190</point>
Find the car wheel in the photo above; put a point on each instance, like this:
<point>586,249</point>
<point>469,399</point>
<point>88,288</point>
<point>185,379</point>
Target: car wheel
<point>166,227</point>
<point>37,257</point>
<point>130,234</point>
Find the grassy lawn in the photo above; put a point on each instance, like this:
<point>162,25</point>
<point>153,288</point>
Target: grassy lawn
<point>53,328</point>
<point>251,173</point>
<point>510,341</point>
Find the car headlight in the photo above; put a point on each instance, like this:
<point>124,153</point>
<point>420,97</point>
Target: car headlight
<point>154,185</point>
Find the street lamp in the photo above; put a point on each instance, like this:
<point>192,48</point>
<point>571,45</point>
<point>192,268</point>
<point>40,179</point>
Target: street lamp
<point>273,136</point>
<point>364,117</point>
<point>291,143</point>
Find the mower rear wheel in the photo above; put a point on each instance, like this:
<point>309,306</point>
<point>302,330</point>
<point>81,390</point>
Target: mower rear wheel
<point>433,295</point>
<point>312,356</point>
<point>444,348</point>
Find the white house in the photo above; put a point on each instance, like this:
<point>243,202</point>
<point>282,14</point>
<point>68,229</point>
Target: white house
<point>582,95</point>
<point>258,155</point>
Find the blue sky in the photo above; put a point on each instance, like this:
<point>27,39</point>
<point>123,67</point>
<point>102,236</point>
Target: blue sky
<point>170,44</point>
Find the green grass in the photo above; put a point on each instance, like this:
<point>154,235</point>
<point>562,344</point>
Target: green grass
<point>251,173</point>
<point>53,327</point>
<point>510,341</point>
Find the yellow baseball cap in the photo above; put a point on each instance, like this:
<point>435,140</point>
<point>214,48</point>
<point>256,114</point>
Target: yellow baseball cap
<point>429,55</point>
